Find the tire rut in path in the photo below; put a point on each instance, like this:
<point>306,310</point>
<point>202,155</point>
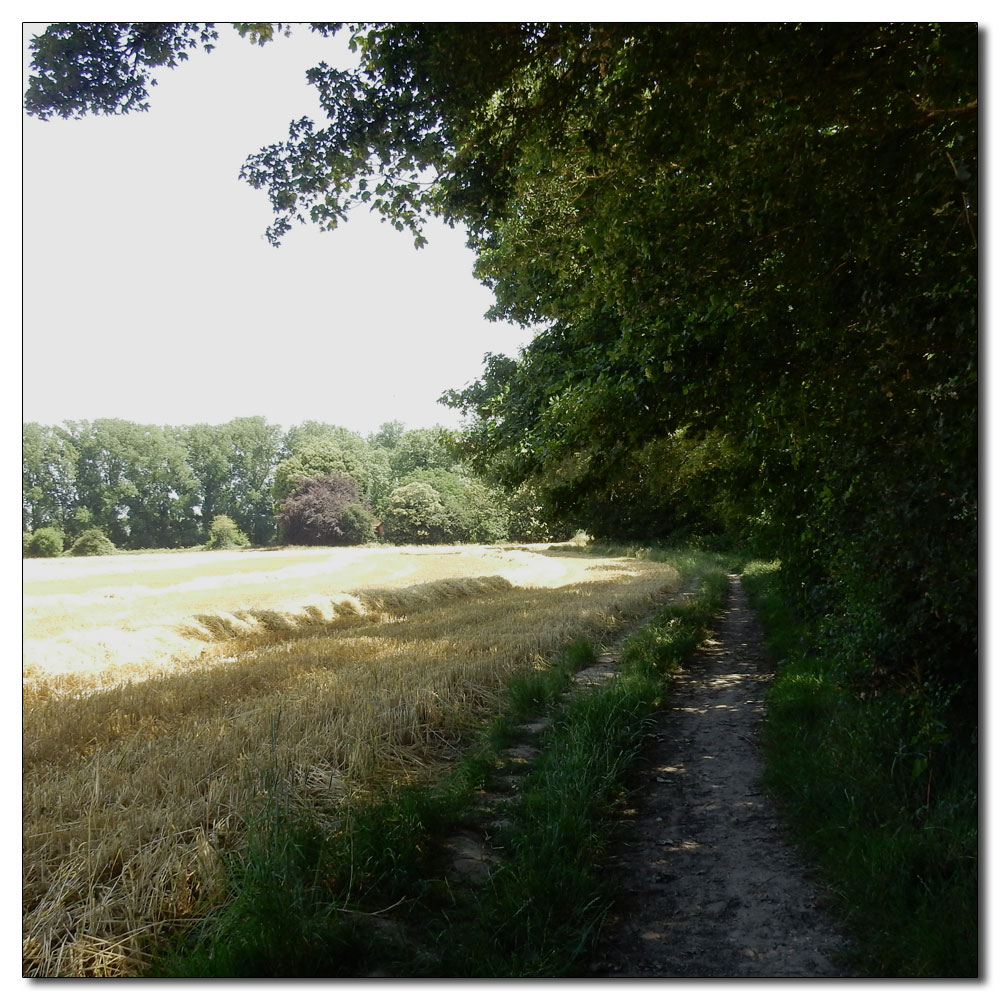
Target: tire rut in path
<point>708,886</point>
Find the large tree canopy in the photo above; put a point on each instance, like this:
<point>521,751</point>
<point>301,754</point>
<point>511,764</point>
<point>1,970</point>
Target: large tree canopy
<point>760,236</point>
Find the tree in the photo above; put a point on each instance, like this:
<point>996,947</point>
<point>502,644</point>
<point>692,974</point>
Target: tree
<point>388,435</point>
<point>678,487</point>
<point>225,534</point>
<point>48,477</point>
<point>254,445</point>
<point>312,431</point>
<point>322,511</point>
<point>757,233</point>
<point>415,515</point>
<point>529,518</point>
<point>423,448</point>
<point>117,57</point>
<point>314,460</point>
<point>135,483</point>
<point>210,455</point>
<point>79,521</point>
<point>314,449</point>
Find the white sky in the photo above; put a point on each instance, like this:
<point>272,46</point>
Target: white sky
<point>150,293</point>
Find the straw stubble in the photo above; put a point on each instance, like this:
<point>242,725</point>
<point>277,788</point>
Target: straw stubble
<point>136,787</point>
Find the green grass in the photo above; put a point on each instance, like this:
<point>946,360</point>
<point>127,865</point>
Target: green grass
<point>545,902</point>
<point>888,818</point>
<point>533,691</point>
<point>373,895</point>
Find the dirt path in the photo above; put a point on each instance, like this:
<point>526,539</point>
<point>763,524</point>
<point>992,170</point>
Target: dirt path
<point>708,885</point>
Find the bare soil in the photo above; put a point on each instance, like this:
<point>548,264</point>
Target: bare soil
<point>709,885</point>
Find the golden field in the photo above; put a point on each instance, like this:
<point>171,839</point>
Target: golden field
<point>165,695</point>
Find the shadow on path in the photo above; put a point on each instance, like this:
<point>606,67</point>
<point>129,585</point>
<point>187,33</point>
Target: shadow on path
<point>709,886</point>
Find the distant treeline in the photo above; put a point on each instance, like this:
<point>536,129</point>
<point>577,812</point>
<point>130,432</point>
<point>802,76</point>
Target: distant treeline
<point>147,486</point>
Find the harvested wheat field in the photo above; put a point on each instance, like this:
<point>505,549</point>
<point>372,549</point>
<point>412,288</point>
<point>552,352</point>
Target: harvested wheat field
<point>165,696</point>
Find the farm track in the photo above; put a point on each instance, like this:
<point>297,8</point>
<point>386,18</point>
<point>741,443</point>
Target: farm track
<point>708,886</point>
<point>708,883</point>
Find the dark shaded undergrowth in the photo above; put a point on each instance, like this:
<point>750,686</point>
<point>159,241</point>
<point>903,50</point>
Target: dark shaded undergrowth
<point>881,793</point>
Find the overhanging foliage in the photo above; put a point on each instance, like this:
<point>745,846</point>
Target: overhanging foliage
<point>762,234</point>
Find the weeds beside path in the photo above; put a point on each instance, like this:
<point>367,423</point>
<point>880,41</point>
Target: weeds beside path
<point>708,886</point>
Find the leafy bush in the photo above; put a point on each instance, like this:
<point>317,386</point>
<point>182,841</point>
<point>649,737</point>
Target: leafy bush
<point>46,542</point>
<point>357,524</point>
<point>323,511</point>
<point>26,537</point>
<point>471,511</point>
<point>92,542</point>
<point>415,514</point>
<point>225,534</point>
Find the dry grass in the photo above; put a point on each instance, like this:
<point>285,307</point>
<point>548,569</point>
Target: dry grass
<point>139,778</point>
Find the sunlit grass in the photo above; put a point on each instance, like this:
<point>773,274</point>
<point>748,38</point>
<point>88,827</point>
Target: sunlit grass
<point>97,573</point>
<point>138,778</point>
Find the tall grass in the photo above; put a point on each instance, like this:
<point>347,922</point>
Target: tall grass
<point>892,827</point>
<point>137,797</point>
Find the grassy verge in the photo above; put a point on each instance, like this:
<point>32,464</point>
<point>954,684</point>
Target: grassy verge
<point>376,897</point>
<point>891,824</point>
